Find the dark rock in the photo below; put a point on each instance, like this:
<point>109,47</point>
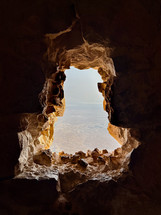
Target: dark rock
<point>55,90</point>
<point>104,151</point>
<point>65,159</point>
<point>83,163</point>
<point>50,109</point>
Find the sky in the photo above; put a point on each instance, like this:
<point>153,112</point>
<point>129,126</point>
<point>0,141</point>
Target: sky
<point>81,87</point>
<point>84,124</point>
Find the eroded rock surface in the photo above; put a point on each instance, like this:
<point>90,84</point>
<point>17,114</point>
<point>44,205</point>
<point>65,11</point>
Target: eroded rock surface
<point>38,41</point>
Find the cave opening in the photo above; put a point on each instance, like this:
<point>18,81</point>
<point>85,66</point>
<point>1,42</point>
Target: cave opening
<point>84,124</point>
<point>37,139</point>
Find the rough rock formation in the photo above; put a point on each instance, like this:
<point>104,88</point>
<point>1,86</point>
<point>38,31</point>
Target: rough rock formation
<point>38,41</point>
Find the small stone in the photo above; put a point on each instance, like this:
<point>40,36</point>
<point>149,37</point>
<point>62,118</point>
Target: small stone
<point>118,151</point>
<point>83,163</point>
<point>81,154</point>
<point>56,158</point>
<point>65,159</point>
<point>101,160</point>
<point>107,157</point>
<point>89,152</point>
<point>104,151</point>
<point>61,153</point>
<point>96,150</point>
<point>89,160</point>
<point>43,158</point>
<point>94,155</point>
<point>74,159</point>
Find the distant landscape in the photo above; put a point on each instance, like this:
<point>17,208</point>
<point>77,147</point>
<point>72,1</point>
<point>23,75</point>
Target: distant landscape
<point>84,124</point>
<point>83,127</point>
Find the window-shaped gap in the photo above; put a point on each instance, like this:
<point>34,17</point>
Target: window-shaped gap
<point>84,124</point>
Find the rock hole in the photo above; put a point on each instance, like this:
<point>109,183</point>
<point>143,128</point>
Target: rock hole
<point>84,123</point>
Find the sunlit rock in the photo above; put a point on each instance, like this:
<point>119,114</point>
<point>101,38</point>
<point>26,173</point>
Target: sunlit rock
<point>65,158</point>
<point>89,160</point>
<point>95,155</point>
<point>89,153</point>
<point>75,158</point>
<point>81,154</point>
<point>43,158</point>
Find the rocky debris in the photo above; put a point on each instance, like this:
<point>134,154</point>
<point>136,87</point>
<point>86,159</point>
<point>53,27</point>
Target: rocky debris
<point>82,163</point>
<point>101,160</point>
<point>104,151</point>
<point>117,151</point>
<point>43,158</point>
<point>81,154</point>
<point>61,153</point>
<point>107,157</point>
<point>65,159</point>
<point>74,159</point>
<point>95,154</point>
<point>89,153</point>
<point>56,158</point>
<point>89,160</point>
<point>96,150</point>
<point>97,159</point>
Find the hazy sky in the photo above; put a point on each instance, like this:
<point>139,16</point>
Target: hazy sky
<point>84,124</point>
<point>81,86</point>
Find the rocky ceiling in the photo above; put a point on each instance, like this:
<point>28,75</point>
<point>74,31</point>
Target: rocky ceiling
<point>38,37</point>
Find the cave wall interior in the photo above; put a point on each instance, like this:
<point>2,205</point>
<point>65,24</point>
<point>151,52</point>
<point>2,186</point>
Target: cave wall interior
<point>37,42</point>
<point>36,140</point>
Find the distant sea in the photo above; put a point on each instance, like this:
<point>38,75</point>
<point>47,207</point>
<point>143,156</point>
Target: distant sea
<point>83,127</point>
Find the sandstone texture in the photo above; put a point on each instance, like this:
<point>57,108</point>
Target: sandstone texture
<point>39,40</point>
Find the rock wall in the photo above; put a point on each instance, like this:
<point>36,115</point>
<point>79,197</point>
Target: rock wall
<point>39,37</point>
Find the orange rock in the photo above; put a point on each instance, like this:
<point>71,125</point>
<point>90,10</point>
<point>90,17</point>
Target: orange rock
<point>81,154</point>
<point>61,153</point>
<point>74,159</point>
